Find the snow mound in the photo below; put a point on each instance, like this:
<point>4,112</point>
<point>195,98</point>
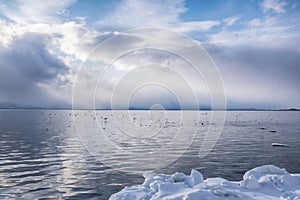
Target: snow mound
<point>264,182</point>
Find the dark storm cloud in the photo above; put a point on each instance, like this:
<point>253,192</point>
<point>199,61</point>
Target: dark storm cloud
<point>27,68</point>
<point>259,76</point>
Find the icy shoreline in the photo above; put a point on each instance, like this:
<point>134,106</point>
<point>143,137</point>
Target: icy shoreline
<point>264,182</point>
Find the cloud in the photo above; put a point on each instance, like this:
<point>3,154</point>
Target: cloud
<point>134,13</point>
<point>76,39</point>
<point>271,31</point>
<point>276,6</point>
<point>40,53</point>
<point>231,20</point>
<point>72,40</point>
<point>145,86</point>
<point>154,13</point>
<point>196,26</point>
<point>42,47</point>
<point>256,76</point>
<point>30,73</point>
<point>27,11</point>
<point>125,63</point>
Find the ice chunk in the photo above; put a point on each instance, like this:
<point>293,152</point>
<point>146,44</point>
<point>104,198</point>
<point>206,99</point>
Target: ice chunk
<point>197,176</point>
<point>250,182</point>
<point>178,177</point>
<point>264,170</point>
<point>264,182</point>
<point>150,178</point>
<point>199,194</point>
<point>253,177</point>
<point>275,144</point>
<point>288,180</point>
<point>192,180</point>
<point>227,193</point>
<point>134,192</point>
<point>165,189</point>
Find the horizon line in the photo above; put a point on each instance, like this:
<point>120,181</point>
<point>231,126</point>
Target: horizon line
<point>142,109</point>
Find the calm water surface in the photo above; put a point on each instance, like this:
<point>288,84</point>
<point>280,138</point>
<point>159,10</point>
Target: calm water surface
<point>42,157</point>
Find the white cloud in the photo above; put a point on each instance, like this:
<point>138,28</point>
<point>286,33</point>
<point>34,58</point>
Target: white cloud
<point>71,38</point>
<point>28,11</point>
<point>6,33</point>
<point>231,20</point>
<point>40,17</point>
<point>165,14</point>
<point>135,13</point>
<point>162,55</point>
<point>139,79</point>
<point>196,26</point>
<point>276,6</point>
<point>27,68</point>
<point>71,41</point>
<point>269,31</point>
<point>259,75</point>
<point>295,5</point>
<point>68,42</point>
<point>75,39</point>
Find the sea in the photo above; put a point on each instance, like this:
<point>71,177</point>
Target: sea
<point>91,154</point>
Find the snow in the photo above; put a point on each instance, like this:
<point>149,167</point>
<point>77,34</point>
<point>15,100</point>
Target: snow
<point>262,183</point>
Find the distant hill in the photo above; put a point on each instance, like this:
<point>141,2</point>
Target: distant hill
<point>246,109</point>
<point>290,109</point>
<point>201,107</point>
<point>13,105</point>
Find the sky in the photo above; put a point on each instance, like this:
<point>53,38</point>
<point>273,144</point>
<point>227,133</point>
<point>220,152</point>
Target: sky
<point>255,45</point>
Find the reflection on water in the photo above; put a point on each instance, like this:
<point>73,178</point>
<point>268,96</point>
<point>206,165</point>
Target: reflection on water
<point>41,154</point>
<point>245,143</point>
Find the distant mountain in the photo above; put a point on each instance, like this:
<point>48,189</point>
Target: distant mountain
<point>201,107</point>
<point>61,106</point>
<point>290,109</point>
<point>13,105</point>
<point>246,109</point>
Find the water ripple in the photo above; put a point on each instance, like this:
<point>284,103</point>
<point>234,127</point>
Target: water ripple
<point>41,157</point>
